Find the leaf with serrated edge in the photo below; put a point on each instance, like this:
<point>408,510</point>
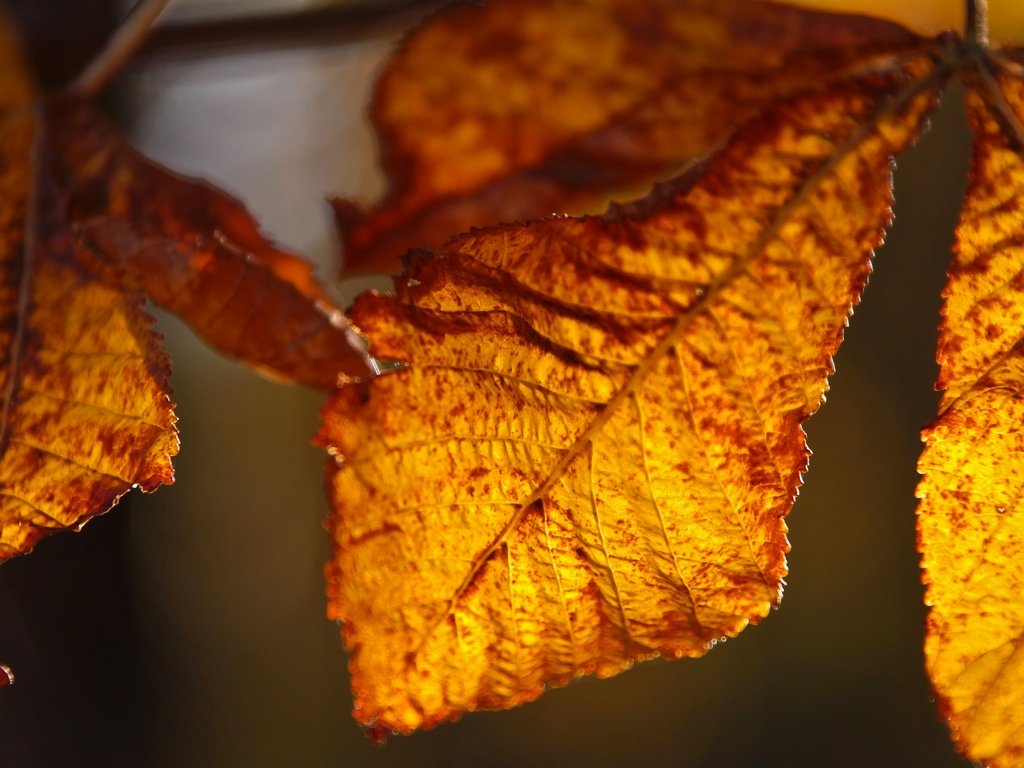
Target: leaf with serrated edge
<point>86,413</point>
<point>591,452</point>
<point>970,516</point>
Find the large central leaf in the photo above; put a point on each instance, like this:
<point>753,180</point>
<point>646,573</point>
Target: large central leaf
<point>590,455</point>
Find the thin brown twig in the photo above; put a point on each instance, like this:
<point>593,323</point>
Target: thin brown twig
<point>327,24</point>
<point>976,29</point>
<point>126,40</point>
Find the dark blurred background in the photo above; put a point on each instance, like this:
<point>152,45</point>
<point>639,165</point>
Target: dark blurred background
<point>187,627</point>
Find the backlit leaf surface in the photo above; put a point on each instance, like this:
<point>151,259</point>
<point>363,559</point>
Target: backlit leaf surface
<point>86,410</point>
<point>518,109</point>
<point>971,517</point>
<point>590,454</point>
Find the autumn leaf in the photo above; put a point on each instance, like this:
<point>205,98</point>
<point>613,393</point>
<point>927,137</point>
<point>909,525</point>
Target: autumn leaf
<point>969,517</point>
<point>199,253</point>
<point>519,283</point>
<point>514,110</point>
<point>589,456</point>
<point>89,229</point>
<point>86,411</point>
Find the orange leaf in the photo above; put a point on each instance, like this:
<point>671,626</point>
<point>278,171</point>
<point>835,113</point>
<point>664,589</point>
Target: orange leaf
<point>970,521</point>
<point>199,253</point>
<point>86,411</point>
<point>89,229</point>
<point>590,454</point>
<point>519,108</point>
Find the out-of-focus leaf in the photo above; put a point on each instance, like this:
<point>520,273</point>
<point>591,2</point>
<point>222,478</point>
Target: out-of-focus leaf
<point>970,517</point>
<point>590,454</point>
<point>517,109</point>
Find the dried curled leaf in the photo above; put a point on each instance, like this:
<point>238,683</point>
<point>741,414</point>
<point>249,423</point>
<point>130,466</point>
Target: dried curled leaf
<point>198,252</point>
<point>89,229</point>
<point>590,454</point>
<point>970,517</point>
<point>515,109</point>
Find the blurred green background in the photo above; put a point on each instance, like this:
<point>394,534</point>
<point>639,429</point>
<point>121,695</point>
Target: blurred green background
<point>187,628</point>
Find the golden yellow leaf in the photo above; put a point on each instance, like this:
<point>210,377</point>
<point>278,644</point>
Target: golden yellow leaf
<point>970,520</point>
<point>589,457</point>
<point>85,413</point>
<point>518,109</point>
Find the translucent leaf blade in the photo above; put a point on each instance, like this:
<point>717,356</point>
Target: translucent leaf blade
<point>970,522</point>
<point>590,455</point>
<point>86,401</point>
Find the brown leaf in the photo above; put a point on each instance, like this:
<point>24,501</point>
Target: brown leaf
<point>86,413</point>
<point>590,454</point>
<point>89,229</point>
<point>970,521</point>
<point>517,109</point>
<point>198,252</point>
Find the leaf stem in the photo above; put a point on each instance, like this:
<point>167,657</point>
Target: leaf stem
<point>1004,113</point>
<point>123,44</point>
<point>976,29</point>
